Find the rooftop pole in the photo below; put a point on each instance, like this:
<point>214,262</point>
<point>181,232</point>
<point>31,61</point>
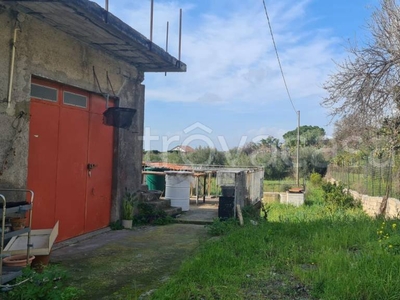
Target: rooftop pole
<point>151,20</point>
<point>298,150</point>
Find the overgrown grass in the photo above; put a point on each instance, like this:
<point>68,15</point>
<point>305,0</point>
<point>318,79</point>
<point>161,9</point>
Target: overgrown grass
<point>279,185</point>
<point>51,283</point>
<point>311,252</point>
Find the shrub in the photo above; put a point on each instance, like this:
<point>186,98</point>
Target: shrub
<point>315,178</point>
<point>147,214</point>
<point>335,195</point>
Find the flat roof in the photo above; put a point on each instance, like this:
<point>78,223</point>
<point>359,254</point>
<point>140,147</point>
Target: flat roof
<point>91,24</point>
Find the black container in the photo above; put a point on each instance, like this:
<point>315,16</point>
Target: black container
<point>120,117</point>
<point>228,190</point>
<point>226,207</point>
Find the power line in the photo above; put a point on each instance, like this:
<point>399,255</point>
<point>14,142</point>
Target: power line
<point>277,56</point>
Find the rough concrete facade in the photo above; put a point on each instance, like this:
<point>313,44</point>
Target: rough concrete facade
<point>46,52</point>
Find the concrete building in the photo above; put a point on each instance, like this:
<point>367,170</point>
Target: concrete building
<point>60,61</point>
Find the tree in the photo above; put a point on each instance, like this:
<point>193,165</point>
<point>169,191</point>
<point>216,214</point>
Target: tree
<point>309,136</point>
<point>367,82</point>
<point>278,165</point>
<point>312,161</point>
<point>270,142</point>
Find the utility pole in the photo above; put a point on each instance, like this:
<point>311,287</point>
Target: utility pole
<point>298,150</point>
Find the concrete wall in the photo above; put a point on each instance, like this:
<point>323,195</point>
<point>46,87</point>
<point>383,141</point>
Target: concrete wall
<point>296,199</point>
<point>46,52</point>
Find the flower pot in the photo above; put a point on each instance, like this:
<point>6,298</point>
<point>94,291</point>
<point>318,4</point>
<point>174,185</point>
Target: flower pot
<point>17,260</point>
<point>40,262</point>
<point>18,223</point>
<point>127,224</point>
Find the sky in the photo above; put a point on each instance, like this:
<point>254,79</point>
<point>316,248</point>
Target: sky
<point>233,92</point>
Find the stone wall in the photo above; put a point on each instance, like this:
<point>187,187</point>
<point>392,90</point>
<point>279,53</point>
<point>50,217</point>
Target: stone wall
<point>371,205</point>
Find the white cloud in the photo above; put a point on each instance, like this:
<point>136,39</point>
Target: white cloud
<point>230,56</point>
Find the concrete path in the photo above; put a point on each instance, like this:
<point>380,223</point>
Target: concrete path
<point>201,213</point>
<point>125,264</point>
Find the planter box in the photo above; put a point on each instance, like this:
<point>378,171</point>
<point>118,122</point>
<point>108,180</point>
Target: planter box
<point>41,239</point>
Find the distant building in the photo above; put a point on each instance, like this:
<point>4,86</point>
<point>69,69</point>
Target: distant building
<point>183,149</point>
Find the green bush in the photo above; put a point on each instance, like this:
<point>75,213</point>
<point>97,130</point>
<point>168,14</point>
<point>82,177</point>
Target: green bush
<point>315,178</point>
<point>335,195</point>
<point>147,214</point>
<point>50,284</point>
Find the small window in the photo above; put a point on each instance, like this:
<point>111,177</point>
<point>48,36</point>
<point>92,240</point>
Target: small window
<point>75,99</point>
<point>43,93</point>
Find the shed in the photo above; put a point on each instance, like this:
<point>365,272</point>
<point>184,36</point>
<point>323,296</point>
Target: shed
<point>67,61</point>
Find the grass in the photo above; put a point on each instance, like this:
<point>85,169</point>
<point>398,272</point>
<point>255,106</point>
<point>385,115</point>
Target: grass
<point>279,185</point>
<point>311,252</point>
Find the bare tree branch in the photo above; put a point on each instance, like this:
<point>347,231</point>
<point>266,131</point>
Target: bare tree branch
<point>367,82</point>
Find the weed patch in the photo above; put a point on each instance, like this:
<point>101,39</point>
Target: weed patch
<point>50,284</point>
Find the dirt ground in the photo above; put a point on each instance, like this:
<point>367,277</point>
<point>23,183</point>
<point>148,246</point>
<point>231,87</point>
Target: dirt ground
<point>126,264</point>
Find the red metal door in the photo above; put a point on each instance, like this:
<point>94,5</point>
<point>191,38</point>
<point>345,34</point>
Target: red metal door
<point>64,139</point>
<point>42,161</point>
<point>100,156</point>
<point>71,172</point>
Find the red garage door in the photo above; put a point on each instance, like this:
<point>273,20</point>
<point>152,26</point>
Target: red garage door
<point>70,159</point>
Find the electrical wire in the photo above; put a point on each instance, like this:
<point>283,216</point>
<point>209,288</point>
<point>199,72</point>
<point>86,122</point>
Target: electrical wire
<point>277,56</point>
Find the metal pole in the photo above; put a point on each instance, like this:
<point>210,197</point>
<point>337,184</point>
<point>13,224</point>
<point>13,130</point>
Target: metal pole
<point>298,149</point>
<point>180,34</point>
<point>166,41</point>
<point>151,20</point>
<point>167,38</point>
<point>107,11</point>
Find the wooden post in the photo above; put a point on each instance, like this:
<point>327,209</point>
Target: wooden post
<point>209,185</point>
<point>197,190</point>
<point>204,188</point>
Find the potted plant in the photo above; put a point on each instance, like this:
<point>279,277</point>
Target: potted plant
<point>127,211</point>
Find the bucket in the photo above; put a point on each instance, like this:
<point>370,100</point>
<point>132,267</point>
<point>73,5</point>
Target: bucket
<point>155,182</point>
<point>178,189</point>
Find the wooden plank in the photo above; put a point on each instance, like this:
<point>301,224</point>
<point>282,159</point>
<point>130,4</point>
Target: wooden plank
<point>239,214</point>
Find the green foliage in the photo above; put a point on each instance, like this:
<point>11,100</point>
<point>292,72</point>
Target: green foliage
<point>128,204</point>
<point>250,212</point>
<point>51,284</point>
<point>204,155</point>
<point>389,236</point>
<point>278,166</point>
<point>306,252</point>
<point>218,227</point>
<point>117,225</point>
<point>335,195</point>
<point>315,179</point>
<point>147,214</point>
<point>309,136</point>
<point>312,161</point>
<point>314,194</point>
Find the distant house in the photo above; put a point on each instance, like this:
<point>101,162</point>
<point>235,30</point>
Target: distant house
<point>64,64</point>
<point>183,149</point>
